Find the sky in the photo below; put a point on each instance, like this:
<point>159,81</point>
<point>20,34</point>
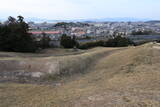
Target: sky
<point>80,9</point>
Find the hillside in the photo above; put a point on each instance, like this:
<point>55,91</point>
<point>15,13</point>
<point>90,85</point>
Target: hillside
<point>99,77</point>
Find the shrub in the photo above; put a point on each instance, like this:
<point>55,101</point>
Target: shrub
<point>91,45</point>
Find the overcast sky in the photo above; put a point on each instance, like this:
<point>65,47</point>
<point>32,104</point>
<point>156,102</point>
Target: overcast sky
<point>80,9</point>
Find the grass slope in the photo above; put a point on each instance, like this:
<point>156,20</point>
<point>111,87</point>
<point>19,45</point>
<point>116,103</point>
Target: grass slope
<point>125,78</point>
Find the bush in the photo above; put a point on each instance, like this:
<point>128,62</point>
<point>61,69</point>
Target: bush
<point>91,45</point>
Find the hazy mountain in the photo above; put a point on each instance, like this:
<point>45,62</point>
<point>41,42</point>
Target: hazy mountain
<point>153,21</point>
<point>125,19</point>
<point>2,20</point>
<point>120,19</point>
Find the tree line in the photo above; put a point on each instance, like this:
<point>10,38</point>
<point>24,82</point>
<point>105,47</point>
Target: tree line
<point>15,37</point>
<point>117,41</point>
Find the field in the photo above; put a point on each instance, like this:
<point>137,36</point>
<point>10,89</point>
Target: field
<point>99,77</point>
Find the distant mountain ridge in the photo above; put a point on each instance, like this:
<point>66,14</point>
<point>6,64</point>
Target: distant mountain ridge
<point>118,19</point>
<point>153,21</point>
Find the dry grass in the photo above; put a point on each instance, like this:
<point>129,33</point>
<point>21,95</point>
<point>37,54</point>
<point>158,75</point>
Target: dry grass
<point>52,67</point>
<point>42,53</point>
<point>126,78</point>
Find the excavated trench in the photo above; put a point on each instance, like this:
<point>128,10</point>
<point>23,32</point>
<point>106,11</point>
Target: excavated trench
<point>38,70</point>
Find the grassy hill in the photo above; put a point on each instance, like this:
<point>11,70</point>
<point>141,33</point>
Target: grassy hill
<point>100,77</point>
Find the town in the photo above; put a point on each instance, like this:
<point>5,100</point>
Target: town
<point>93,31</point>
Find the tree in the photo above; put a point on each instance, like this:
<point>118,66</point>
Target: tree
<point>67,41</point>
<point>44,42</point>
<point>20,19</point>
<point>11,20</point>
<point>14,36</point>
